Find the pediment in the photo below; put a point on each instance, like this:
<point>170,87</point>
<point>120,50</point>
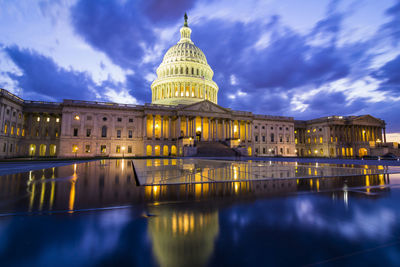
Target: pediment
<point>205,106</point>
<point>367,119</point>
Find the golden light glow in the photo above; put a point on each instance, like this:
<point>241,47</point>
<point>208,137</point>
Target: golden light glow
<point>58,120</point>
<point>76,118</point>
<point>48,119</point>
<point>38,119</point>
<point>198,129</point>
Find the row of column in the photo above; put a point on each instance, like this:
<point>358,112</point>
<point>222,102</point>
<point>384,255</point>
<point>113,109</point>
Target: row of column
<point>189,89</point>
<point>356,133</point>
<point>230,129</point>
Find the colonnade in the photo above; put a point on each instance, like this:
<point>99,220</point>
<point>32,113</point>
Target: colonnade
<point>184,90</point>
<point>358,133</point>
<point>204,128</point>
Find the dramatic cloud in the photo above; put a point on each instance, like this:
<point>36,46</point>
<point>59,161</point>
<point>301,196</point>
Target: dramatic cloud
<point>42,78</point>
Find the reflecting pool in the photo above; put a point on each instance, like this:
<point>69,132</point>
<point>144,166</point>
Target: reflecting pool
<point>99,213</point>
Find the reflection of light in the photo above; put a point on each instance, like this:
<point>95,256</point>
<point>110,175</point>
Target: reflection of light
<point>74,168</point>
<point>346,198</point>
<point>235,173</point>
<point>155,188</point>
<point>236,187</point>
<point>123,165</point>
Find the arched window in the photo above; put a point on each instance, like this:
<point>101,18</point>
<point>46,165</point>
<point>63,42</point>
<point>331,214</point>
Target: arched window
<point>104,131</point>
<point>149,150</point>
<point>192,71</point>
<point>187,70</point>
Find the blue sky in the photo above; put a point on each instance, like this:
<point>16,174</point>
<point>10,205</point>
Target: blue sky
<point>305,59</point>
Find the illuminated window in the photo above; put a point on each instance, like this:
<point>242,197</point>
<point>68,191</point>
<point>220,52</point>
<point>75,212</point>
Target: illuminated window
<point>19,116</point>
<point>331,139</point>
<point>295,132</point>
<point>103,148</point>
<point>321,151</point>
<point>308,131</point>
<point>76,118</point>
<point>74,148</point>
<point>23,132</point>
<point>12,130</point>
<point>57,119</point>
<point>309,140</point>
<point>129,149</point>
<point>118,149</point>
<point>48,119</point>
<point>295,141</point>
<point>56,133</point>
<point>17,131</point>
<point>38,119</point>
<point>87,149</point>
<point>5,128</point>
<point>321,139</point>
<point>314,130</point>
<point>315,140</point>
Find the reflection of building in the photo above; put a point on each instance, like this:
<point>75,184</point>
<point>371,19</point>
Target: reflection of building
<point>183,113</point>
<point>183,238</point>
<point>339,136</point>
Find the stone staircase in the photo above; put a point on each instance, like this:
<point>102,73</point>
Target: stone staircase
<point>214,149</point>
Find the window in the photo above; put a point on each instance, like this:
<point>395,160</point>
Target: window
<point>272,128</point>
<point>58,120</point>
<point>37,132</point>
<point>130,120</point>
<point>17,131</point>
<point>119,119</point>
<point>103,148</point>
<point>56,133</point>
<point>12,130</point>
<point>280,128</point>
<point>14,114</point>
<point>309,140</point>
<point>256,138</point>
<point>48,119</point>
<point>88,132</point>
<point>287,129</point>
<point>118,133</point>
<point>77,118</point>
<point>4,147</point>
<point>263,138</point>
<point>5,128</point>
<point>129,149</point>
<point>130,134</point>
<point>256,150</point>
<point>89,118</point>
<point>263,150</point>
<point>331,139</point>
<point>295,141</point>
<point>281,150</point>
<point>287,151</point>
<point>287,138</point>
<point>280,138</point>
<point>23,132</point>
<point>8,112</point>
<point>315,140</point>
<point>320,129</point>
<point>314,130</point>
<point>118,149</point>
<point>263,127</point>
<point>19,116</point>
<point>87,149</point>
<point>321,139</point>
<point>104,119</point>
<point>38,118</point>
<point>272,137</point>
<point>255,127</point>
<point>75,131</point>
<point>104,131</point>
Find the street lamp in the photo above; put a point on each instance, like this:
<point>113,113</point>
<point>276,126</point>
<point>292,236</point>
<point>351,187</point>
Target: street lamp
<point>123,152</point>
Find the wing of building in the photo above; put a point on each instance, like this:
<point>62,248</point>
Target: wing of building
<point>183,119</point>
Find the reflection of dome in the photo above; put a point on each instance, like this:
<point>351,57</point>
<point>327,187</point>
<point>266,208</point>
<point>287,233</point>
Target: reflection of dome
<point>184,77</point>
<point>183,238</point>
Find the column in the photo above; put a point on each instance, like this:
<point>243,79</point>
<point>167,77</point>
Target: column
<point>169,127</point>
<point>216,130</point>
<point>194,127</point>
<point>162,127</point>
<point>384,135</point>
<point>239,128</point>
<point>245,131</point>
<point>223,130</point>
<point>187,126</point>
<point>178,127</point>
<point>230,129</point>
<point>209,129</point>
<point>154,126</point>
<point>202,134</point>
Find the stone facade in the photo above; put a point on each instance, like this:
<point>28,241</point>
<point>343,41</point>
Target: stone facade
<point>339,136</point>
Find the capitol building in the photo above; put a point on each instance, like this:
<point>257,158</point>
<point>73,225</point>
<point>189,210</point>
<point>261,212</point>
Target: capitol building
<point>183,119</point>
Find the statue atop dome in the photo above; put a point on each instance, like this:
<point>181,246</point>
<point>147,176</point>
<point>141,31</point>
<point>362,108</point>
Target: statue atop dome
<point>186,18</point>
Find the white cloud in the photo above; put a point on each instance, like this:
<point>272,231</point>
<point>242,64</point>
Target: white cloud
<point>122,96</point>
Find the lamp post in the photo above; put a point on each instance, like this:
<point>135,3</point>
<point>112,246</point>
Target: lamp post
<point>123,152</point>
